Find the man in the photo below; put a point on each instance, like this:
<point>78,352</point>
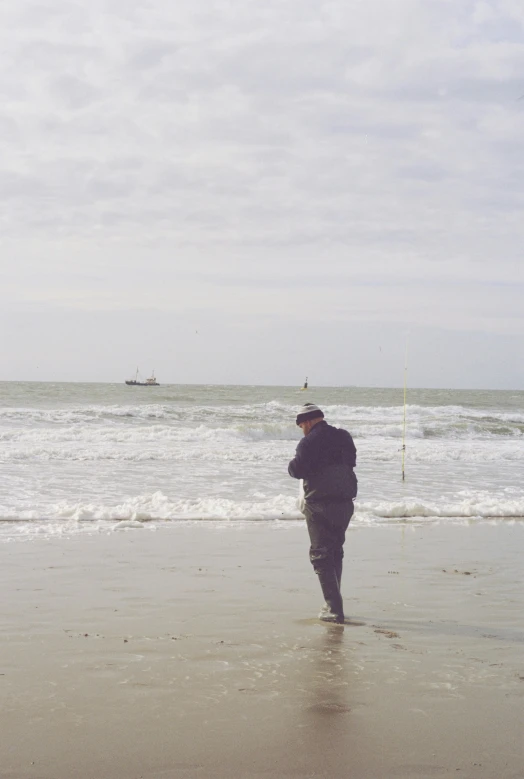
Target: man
<point>325,459</point>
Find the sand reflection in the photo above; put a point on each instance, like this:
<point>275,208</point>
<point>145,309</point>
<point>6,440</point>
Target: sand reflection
<point>329,687</point>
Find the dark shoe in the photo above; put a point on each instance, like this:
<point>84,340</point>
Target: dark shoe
<point>326,615</point>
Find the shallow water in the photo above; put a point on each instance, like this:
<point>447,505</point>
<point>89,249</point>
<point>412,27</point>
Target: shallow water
<point>84,457</point>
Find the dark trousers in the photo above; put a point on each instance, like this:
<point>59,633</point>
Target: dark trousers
<point>327,524</point>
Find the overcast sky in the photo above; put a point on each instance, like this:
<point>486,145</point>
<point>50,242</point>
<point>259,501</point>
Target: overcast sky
<point>249,191</point>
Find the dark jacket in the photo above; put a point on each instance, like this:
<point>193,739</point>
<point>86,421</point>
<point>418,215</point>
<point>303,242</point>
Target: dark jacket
<point>325,459</point>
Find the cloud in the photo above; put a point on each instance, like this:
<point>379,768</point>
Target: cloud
<point>215,146</point>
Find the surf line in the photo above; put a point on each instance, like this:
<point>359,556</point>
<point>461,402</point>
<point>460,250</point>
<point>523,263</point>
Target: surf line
<point>404,422</point>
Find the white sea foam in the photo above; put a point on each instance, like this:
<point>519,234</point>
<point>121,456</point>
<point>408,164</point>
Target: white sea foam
<point>202,443</point>
<point>465,421</point>
<point>90,459</point>
<point>73,518</point>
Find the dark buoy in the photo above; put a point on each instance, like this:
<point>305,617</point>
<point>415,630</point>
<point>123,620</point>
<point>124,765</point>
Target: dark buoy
<point>305,384</point>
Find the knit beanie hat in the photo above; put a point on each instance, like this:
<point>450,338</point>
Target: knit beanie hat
<point>309,411</point>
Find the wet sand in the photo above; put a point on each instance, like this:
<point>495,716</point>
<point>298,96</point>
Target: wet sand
<point>194,651</point>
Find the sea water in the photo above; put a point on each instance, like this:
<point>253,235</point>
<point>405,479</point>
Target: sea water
<point>79,458</point>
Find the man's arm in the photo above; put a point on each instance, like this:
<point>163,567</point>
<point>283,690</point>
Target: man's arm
<point>298,468</point>
<point>349,448</point>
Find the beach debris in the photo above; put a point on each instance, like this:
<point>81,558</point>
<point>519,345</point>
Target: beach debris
<point>387,633</point>
<point>69,633</point>
<point>463,573</point>
<point>395,572</point>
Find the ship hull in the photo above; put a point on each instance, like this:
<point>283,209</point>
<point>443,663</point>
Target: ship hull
<point>141,384</point>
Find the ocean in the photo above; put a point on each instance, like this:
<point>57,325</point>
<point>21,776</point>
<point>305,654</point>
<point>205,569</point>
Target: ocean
<point>85,458</point>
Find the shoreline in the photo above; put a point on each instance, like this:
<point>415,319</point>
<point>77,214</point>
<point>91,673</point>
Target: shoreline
<point>194,651</point>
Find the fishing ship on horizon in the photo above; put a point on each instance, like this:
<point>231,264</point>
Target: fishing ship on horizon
<point>150,382</point>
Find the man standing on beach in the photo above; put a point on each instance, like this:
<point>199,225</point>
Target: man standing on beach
<point>325,459</point>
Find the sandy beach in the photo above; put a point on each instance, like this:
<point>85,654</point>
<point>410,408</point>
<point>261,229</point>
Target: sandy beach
<point>194,651</point>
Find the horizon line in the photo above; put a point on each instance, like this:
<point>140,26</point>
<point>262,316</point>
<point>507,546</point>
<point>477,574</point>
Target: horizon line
<point>286,386</point>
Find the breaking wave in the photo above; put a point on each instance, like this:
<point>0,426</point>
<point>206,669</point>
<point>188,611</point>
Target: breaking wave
<point>263,421</point>
<point>145,510</point>
<point>79,461</point>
